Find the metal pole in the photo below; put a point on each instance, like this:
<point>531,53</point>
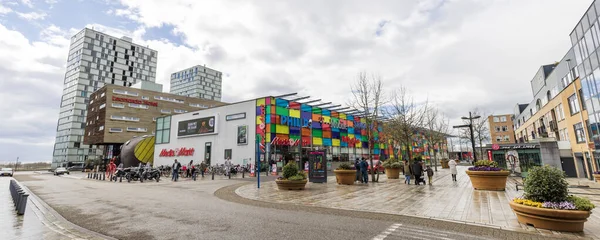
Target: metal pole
<point>16,165</point>
<point>472,137</point>
<point>258,160</point>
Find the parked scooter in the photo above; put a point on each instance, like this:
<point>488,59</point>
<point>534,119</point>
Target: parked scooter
<point>135,173</point>
<point>151,174</point>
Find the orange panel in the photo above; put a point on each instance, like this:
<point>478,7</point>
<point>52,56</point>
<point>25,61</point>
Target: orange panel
<point>306,132</point>
<point>315,117</point>
<point>326,134</point>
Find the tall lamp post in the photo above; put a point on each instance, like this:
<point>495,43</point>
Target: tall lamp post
<point>470,126</point>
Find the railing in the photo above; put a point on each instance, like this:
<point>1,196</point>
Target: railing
<point>19,197</point>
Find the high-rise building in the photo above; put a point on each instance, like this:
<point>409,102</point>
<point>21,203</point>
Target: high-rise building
<point>501,128</point>
<point>197,81</point>
<point>95,59</point>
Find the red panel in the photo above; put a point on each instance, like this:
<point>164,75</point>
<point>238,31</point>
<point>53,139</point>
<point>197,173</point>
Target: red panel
<point>295,105</point>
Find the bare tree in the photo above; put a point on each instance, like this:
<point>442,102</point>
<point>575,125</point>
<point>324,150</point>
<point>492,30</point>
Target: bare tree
<point>481,130</point>
<point>368,98</point>
<point>405,119</point>
<point>436,132</point>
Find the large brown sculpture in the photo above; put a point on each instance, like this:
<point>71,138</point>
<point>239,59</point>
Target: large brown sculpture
<point>138,150</point>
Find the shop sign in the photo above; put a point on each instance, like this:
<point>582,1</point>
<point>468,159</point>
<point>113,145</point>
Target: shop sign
<point>235,116</point>
<point>287,142</point>
<point>199,126</point>
<point>138,101</point>
<point>177,152</point>
<point>495,147</point>
<point>519,146</point>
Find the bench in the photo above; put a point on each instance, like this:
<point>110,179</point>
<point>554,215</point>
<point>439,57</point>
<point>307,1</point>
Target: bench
<point>523,176</point>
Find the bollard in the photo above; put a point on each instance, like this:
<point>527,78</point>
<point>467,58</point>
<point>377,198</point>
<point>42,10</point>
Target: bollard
<point>120,179</point>
<point>19,198</point>
<point>22,204</point>
<point>104,177</point>
<point>213,175</point>
<point>229,174</point>
<point>243,174</point>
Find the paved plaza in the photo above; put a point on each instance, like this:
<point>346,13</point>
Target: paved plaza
<point>444,200</point>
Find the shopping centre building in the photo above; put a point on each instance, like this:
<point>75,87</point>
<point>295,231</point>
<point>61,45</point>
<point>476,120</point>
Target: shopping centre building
<point>116,114</point>
<point>280,128</point>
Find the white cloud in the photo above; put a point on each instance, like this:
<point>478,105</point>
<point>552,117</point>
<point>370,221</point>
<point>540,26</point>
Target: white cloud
<point>4,10</point>
<point>27,3</point>
<point>32,15</point>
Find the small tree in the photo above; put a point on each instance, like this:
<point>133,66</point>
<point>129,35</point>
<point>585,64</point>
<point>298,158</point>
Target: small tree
<point>436,132</point>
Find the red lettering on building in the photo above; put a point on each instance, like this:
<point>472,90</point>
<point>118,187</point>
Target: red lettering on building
<point>176,152</point>
<point>287,142</point>
<point>350,141</point>
<point>129,100</point>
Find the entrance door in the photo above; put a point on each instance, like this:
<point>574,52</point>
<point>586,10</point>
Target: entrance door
<point>568,165</point>
<point>207,153</point>
<point>589,168</point>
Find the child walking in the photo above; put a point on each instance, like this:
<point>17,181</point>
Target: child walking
<point>429,174</point>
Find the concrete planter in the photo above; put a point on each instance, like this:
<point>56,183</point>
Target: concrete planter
<point>445,163</point>
<point>290,185</point>
<point>551,219</point>
<point>392,173</point>
<point>488,180</point>
<point>597,177</point>
<point>345,177</point>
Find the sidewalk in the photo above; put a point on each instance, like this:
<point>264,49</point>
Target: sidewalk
<point>38,222</point>
<point>444,200</point>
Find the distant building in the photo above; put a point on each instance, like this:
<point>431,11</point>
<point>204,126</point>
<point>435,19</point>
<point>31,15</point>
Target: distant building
<point>116,114</point>
<point>199,82</point>
<point>501,129</point>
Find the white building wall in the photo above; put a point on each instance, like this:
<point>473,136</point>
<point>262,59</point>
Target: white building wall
<point>225,138</point>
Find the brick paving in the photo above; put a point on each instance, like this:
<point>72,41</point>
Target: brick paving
<point>444,200</point>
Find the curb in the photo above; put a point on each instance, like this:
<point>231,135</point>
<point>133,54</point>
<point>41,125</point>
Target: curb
<point>63,224</point>
<point>229,194</point>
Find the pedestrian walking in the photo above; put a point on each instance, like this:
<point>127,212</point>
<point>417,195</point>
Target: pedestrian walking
<point>176,166</point>
<point>202,168</point>
<point>357,167</point>
<point>429,174</point>
<point>189,168</point>
<point>417,169</point>
<point>407,172</point>
<point>452,164</point>
<point>363,170</point>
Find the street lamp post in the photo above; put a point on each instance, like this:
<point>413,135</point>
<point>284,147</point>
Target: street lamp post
<point>470,126</point>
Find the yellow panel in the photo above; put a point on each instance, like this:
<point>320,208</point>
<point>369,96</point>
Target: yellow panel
<point>358,145</point>
<point>258,121</point>
<point>327,119</point>
<point>350,136</point>
<point>335,142</point>
<point>295,113</point>
<point>343,116</point>
<point>267,138</point>
<point>144,150</point>
<point>282,129</point>
<point>317,141</point>
<point>363,120</point>
<point>260,102</point>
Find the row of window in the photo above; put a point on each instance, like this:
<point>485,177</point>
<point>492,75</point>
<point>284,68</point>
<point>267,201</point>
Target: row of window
<point>163,130</point>
<point>504,138</point>
<point>501,128</point>
<point>500,119</point>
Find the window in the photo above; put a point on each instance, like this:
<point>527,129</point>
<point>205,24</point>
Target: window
<point>497,129</point>
<point>581,97</point>
<point>125,92</point>
<point>168,99</point>
<point>506,138</point>
<point>135,105</point>
<point>504,128</point>
<point>573,104</point>
<point>496,119</point>
<point>579,132</point>
<point>125,118</point>
<point>560,111</point>
<point>179,111</point>
<point>145,98</point>
<point>102,106</point>
<point>498,139</point>
<point>503,119</point>
<point>136,129</point>
<point>102,95</point>
<point>118,105</point>
<point>101,128</point>
<point>165,111</point>
<point>115,130</point>
<point>163,129</point>
<point>154,119</point>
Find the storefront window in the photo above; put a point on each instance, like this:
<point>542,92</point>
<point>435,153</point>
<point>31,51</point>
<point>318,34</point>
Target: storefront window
<point>163,130</point>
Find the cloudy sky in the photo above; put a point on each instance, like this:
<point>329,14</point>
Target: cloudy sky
<point>458,54</point>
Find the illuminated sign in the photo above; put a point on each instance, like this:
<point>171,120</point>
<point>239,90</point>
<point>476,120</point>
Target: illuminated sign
<point>235,116</point>
<point>287,142</point>
<point>138,101</point>
<point>176,152</point>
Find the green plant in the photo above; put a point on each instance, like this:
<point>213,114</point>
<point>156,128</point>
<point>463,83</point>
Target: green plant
<point>298,177</point>
<point>392,163</point>
<point>580,203</point>
<point>344,166</point>
<point>546,184</point>
<point>290,170</point>
<point>486,163</point>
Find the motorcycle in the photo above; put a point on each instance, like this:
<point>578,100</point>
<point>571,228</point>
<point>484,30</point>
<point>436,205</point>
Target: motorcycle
<point>135,174</point>
<point>119,174</point>
<point>151,174</point>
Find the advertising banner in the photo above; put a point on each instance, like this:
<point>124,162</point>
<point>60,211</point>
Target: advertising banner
<point>242,135</point>
<point>199,126</point>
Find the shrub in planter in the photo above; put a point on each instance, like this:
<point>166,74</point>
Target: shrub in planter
<point>546,203</point>
<point>392,168</point>
<point>486,175</point>
<point>292,178</point>
<point>345,174</point>
<point>290,170</point>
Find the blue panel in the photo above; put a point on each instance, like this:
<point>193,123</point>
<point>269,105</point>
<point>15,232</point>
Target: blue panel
<point>350,117</point>
<point>376,151</point>
<point>351,130</point>
<point>326,141</point>
<point>281,102</point>
<point>335,135</point>
<point>326,112</point>
<point>306,108</point>
<point>335,130</point>
<point>267,118</point>
<point>343,144</point>
<point>294,131</point>
<point>316,125</point>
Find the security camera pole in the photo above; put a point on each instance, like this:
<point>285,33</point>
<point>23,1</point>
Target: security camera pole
<point>470,126</point>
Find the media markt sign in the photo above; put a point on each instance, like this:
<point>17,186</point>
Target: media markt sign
<point>177,152</point>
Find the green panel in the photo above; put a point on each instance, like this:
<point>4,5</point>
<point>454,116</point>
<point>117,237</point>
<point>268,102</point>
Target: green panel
<point>273,128</point>
<point>343,134</point>
<point>268,110</point>
<point>316,110</point>
<point>317,133</point>
<point>294,137</point>
<point>282,111</point>
<point>376,145</point>
<point>365,139</point>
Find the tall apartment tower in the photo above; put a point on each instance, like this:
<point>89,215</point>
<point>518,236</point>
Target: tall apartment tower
<point>95,59</point>
<point>197,81</point>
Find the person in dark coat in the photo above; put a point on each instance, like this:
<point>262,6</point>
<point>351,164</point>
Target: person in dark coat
<point>417,169</point>
<point>357,167</point>
<point>176,167</point>
<point>364,166</point>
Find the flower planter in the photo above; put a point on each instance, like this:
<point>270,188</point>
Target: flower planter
<point>445,163</point>
<point>392,173</point>
<point>345,177</point>
<point>488,180</point>
<point>290,185</point>
<point>597,177</point>
<point>551,219</point>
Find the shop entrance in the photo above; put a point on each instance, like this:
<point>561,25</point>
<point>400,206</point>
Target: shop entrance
<point>568,165</point>
<point>207,153</point>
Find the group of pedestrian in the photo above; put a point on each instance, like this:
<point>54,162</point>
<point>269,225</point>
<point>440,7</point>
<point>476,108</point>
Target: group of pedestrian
<point>362,168</point>
<point>420,170</point>
<point>185,170</point>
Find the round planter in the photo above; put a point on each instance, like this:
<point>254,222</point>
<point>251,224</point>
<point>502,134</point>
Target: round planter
<point>290,185</point>
<point>392,173</point>
<point>551,219</point>
<point>345,177</point>
<point>488,180</point>
<point>445,163</point>
<point>597,177</point>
